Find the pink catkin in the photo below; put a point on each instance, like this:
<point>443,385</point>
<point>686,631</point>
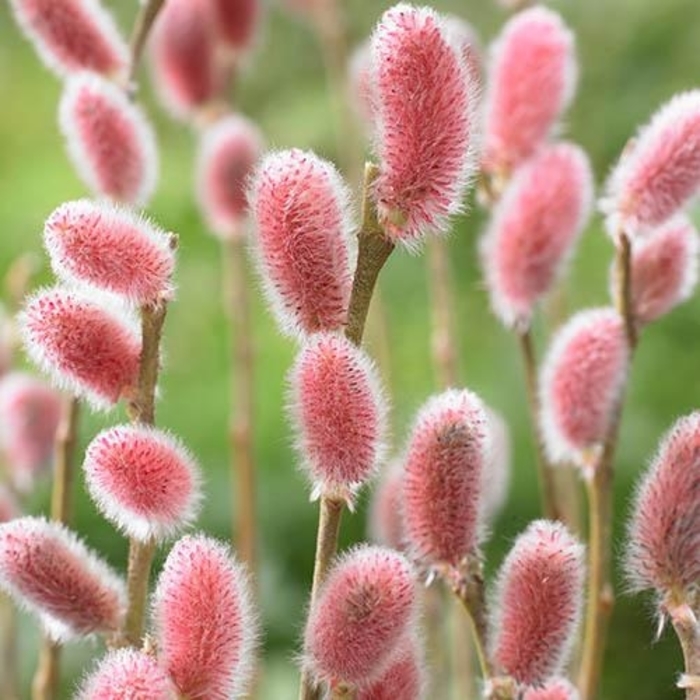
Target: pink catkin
<point>237,22</point>
<point>109,140</point>
<point>385,513</point>
<point>580,383</point>
<point>228,152</point>
<point>47,569</point>
<point>534,230</point>
<point>404,678</point>
<point>339,415</point>
<point>443,469</point>
<point>86,347</point>
<point>143,480</point>
<point>663,551</point>
<point>300,206</point>
<point>531,81</point>
<point>660,170</point>
<point>9,508</point>
<point>538,603</point>
<point>664,269</point>
<point>556,689</point>
<point>127,673</point>
<point>366,607</point>
<point>206,627</point>
<point>183,53</point>
<point>360,83</point>
<point>29,415</point>
<point>423,104</point>
<point>111,248</point>
<point>73,35</point>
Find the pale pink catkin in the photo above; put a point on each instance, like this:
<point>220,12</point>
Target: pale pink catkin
<point>495,477</point>
<point>385,511</point>
<point>9,508</point>
<point>555,689</point>
<point>423,103</point>
<point>442,483</point>
<point>581,379</point>
<point>204,620</point>
<point>87,347</point>
<point>29,416</point>
<point>531,81</point>
<point>302,240</point>
<point>659,171</point>
<point>143,480</point>
<point>228,152</point>
<point>48,570</point>
<point>184,64</point>
<point>664,269</point>
<point>534,229</point>
<point>111,248</point>
<point>663,550</point>
<point>367,605</point>
<point>73,35</point>
<point>404,678</point>
<point>127,673</point>
<point>237,22</point>
<point>538,603</point>
<point>339,414</point>
<point>109,140</point>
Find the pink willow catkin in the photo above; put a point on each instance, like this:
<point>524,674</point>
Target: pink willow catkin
<point>110,248</point>
<point>127,673</point>
<point>556,689</point>
<point>73,35</point>
<point>659,171</point>
<point>9,508</point>
<point>185,69</point>
<point>238,22</point>
<point>581,379</point>
<point>85,346</point>
<point>663,551</point>
<point>664,269</point>
<point>204,620</point>
<point>442,480</point>
<point>339,413</point>
<point>534,230</point>
<point>538,603</point>
<point>385,518</point>
<point>531,81</point>
<point>302,240</point>
<point>47,569</point>
<point>109,139</point>
<point>366,607</point>
<point>423,104</point>
<point>143,480</point>
<point>29,415</point>
<point>228,152</point>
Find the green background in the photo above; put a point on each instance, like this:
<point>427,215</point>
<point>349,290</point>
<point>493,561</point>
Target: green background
<point>634,54</point>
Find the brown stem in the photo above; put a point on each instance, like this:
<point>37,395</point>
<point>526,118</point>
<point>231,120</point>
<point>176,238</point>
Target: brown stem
<point>550,509</point>
<point>45,685</point>
<point>600,506</point>
<point>9,686</point>
<point>330,514</point>
<point>142,28</point>
<point>373,251</point>
<point>237,307</point>
<point>444,340</point>
<point>142,410</point>
<point>689,638</point>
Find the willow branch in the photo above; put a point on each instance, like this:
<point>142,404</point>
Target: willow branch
<point>237,307</point>
<point>600,505</point>
<point>545,477</point>
<point>45,685</point>
<point>686,628</point>
<point>142,28</point>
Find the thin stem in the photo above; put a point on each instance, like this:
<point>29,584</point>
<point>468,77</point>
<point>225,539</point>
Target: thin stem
<point>373,252</point>
<point>689,638</point>
<point>9,686</point>
<point>330,514</point>
<point>237,307</point>
<point>142,28</point>
<point>600,506</point>
<point>550,509</point>
<point>45,685</point>
<point>142,411</point>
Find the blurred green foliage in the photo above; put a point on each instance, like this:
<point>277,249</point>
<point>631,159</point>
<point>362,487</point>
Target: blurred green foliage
<point>634,54</point>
